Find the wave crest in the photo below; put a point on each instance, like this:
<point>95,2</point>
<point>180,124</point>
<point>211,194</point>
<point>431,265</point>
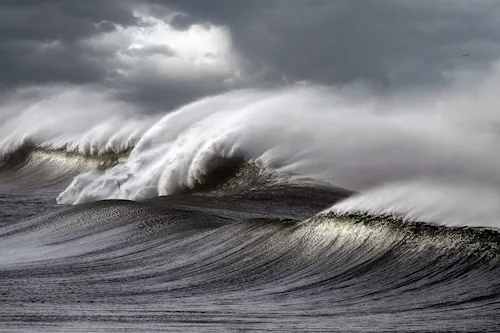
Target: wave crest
<point>31,166</point>
<point>313,134</point>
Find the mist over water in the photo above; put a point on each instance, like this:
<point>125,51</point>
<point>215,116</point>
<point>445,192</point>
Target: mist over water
<point>423,155</point>
<point>83,120</point>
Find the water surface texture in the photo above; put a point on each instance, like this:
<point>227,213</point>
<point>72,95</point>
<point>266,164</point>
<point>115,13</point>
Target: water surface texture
<point>289,210</point>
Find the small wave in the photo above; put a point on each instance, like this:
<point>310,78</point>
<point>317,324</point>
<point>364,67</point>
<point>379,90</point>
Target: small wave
<point>29,154</point>
<point>35,166</point>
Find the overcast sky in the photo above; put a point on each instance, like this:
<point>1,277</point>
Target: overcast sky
<point>163,53</point>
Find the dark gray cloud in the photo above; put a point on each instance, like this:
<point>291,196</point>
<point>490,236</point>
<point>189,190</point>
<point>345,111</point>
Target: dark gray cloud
<point>390,43</point>
<point>38,39</point>
<point>66,20</point>
<point>54,41</point>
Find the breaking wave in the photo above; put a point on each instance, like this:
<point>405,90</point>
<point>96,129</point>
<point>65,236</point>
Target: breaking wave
<point>312,135</point>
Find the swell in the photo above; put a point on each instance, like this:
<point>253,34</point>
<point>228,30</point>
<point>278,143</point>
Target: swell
<point>27,153</point>
<point>293,212</point>
<point>341,258</point>
<point>248,256</point>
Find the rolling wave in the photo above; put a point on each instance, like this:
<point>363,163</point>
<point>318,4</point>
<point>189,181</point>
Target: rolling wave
<point>240,262</point>
<point>314,135</point>
<point>31,166</point>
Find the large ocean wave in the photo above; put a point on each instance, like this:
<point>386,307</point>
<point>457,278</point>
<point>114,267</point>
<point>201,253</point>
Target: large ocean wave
<point>306,208</point>
<point>401,150</point>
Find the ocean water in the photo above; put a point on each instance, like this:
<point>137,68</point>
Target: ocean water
<point>304,209</point>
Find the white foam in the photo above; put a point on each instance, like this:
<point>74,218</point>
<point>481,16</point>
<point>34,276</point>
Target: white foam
<point>458,204</point>
<point>341,137</point>
<point>77,119</point>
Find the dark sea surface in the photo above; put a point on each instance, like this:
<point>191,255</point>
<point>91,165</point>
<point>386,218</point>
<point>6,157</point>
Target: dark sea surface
<point>247,212</point>
<point>255,260</point>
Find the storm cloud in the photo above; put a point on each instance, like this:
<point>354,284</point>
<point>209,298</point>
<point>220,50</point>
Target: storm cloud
<point>164,53</point>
